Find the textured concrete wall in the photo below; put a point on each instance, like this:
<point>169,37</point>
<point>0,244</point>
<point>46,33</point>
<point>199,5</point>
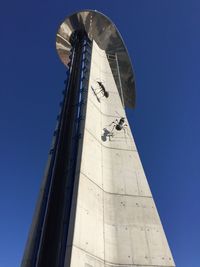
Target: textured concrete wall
<point>116,222</point>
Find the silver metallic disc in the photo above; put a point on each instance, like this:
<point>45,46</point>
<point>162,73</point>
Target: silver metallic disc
<point>101,29</point>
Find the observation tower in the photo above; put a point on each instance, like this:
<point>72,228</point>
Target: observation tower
<point>95,208</point>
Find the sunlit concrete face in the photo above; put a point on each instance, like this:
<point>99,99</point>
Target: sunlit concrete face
<point>116,222</point>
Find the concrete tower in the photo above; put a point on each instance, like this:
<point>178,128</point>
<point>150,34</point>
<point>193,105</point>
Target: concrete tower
<point>95,208</point>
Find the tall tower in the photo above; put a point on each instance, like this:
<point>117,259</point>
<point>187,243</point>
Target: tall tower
<point>95,208</point>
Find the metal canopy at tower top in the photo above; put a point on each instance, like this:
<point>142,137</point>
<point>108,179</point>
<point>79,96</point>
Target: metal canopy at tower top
<point>104,32</point>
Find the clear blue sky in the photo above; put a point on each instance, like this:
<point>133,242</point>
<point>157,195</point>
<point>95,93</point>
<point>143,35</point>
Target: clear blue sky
<point>163,39</point>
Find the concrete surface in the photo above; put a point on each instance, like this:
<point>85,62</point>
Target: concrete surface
<point>116,222</point>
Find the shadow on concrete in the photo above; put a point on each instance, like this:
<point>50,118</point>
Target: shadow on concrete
<point>106,135</point>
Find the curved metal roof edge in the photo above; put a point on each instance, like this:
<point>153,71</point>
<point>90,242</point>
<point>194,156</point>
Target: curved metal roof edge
<point>128,84</point>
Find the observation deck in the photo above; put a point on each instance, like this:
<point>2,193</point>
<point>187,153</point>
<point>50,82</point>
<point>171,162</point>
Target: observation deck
<point>101,29</point>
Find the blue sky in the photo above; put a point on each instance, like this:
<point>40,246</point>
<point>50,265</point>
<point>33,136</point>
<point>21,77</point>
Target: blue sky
<point>163,39</point>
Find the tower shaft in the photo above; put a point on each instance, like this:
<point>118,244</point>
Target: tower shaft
<point>95,207</point>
